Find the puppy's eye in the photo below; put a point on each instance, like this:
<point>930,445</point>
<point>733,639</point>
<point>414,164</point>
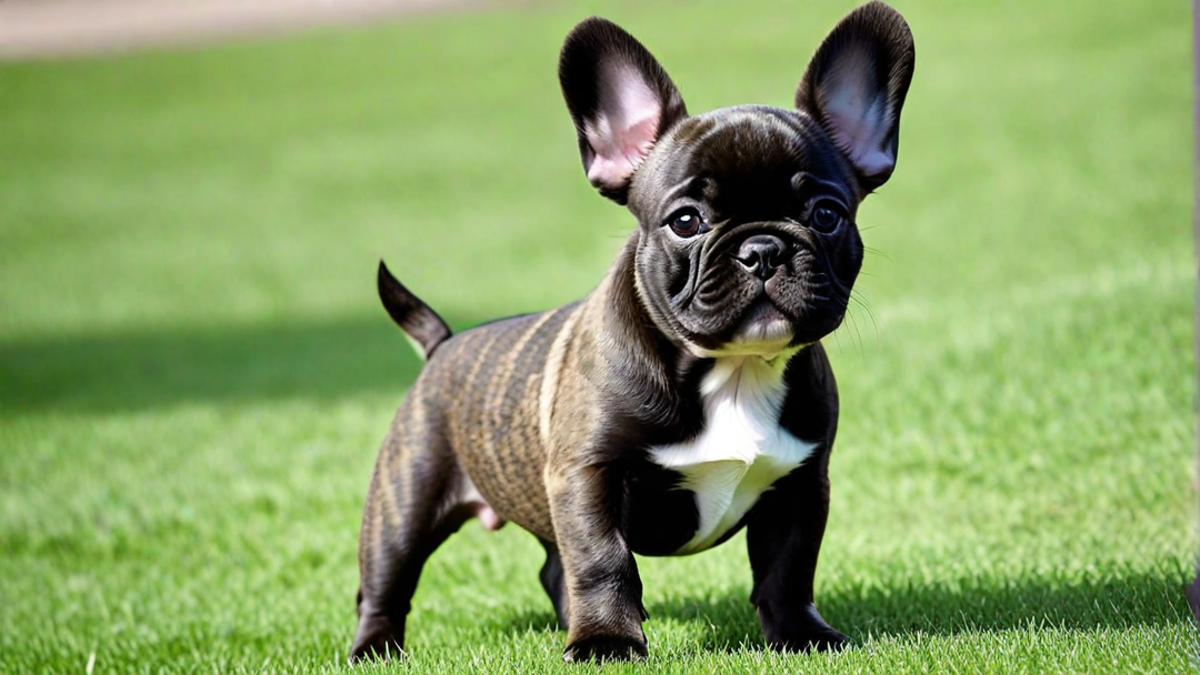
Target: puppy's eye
<point>686,222</point>
<point>825,218</point>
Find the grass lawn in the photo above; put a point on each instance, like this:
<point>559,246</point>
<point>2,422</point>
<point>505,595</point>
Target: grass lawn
<point>195,373</point>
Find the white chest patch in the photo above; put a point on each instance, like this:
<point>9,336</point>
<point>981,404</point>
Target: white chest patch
<point>742,450</point>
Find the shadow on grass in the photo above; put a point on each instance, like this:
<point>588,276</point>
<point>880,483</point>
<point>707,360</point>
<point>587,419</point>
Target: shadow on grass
<point>136,371</point>
<point>1119,602</point>
<point>729,624</point>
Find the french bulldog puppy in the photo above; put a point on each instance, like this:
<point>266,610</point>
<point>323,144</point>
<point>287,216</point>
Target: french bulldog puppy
<point>688,395</point>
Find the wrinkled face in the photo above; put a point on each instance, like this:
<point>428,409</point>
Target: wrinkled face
<point>748,243</point>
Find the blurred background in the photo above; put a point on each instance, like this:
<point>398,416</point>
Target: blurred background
<point>195,371</point>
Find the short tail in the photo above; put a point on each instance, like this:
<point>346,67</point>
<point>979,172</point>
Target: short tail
<point>414,317</point>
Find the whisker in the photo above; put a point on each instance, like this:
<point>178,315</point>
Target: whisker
<point>874,251</point>
<point>861,301</point>
<point>857,334</point>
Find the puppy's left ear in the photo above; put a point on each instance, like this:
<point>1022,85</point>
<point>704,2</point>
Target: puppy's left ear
<point>620,98</point>
<point>855,87</point>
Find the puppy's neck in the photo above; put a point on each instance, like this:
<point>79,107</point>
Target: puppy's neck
<point>630,337</point>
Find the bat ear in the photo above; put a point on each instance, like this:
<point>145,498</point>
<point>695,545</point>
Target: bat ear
<point>855,87</point>
<point>620,99</point>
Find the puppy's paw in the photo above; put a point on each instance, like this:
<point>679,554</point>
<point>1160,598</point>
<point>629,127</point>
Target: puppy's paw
<point>823,639</point>
<point>800,631</point>
<point>381,650</point>
<point>377,639</point>
<point>605,648</point>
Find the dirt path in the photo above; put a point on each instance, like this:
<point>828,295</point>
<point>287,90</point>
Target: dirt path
<point>58,28</point>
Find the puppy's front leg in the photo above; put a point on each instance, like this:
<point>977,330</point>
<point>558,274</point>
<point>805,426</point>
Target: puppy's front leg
<point>783,535</point>
<point>603,588</point>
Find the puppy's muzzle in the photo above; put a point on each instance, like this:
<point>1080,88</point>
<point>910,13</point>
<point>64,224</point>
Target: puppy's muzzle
<point>761,254</point>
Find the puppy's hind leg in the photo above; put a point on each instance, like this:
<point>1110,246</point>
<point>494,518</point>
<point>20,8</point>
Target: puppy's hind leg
<point>415,502</point>
<point>553,581</point>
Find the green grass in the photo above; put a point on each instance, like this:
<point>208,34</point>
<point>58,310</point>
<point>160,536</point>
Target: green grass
<point>195,374</point>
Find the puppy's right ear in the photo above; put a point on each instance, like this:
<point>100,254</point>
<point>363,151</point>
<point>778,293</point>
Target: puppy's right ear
<point>621,100</point>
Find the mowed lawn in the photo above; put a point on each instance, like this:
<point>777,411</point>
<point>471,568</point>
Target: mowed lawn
<point>195,373</point>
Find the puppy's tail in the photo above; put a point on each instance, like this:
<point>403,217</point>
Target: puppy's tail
<point>415,318</point>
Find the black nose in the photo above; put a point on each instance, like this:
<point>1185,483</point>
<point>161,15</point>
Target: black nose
<point>761,255</point>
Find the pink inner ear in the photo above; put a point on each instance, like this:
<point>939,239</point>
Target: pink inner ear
<point>857,114</point>
<point>624,128</point>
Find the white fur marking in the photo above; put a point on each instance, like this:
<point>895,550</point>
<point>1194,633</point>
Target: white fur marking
<point>742,450</point>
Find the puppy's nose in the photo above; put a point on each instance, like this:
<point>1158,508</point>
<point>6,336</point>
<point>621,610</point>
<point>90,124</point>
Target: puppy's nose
<point>761,255</point>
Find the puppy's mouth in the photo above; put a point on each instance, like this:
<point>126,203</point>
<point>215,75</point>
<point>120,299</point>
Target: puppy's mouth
<point>764,331</point>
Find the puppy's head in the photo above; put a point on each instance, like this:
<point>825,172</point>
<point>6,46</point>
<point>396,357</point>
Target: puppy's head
<point>748,243</point>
